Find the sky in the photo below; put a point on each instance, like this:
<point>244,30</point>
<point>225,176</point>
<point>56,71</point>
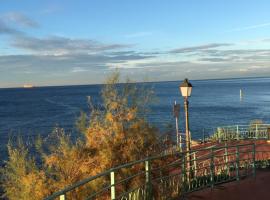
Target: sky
<point>71,42</point>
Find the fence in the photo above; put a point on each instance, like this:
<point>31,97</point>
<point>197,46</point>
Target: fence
<point>238,132</point>
<point>171,175</point>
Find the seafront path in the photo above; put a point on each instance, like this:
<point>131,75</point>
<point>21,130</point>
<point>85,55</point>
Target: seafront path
<point>233,161</point>
<point>247,189</point>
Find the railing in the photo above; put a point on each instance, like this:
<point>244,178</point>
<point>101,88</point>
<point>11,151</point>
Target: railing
<point>238,132</point>
<point>171,175</point>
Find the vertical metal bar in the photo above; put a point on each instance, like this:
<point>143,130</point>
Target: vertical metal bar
<point>256,131</point>
<point>62,197</point>
<point>226,159</point>
<point>176,110</point>
<point>220,135</point>
<point>148,180</point>
<point>237,132</point>
<point>183,172</point>
<point>254,159</point>
<point>195,164</point>
<point>177,131</point>
<point>212,168</point>
<point>203,136</point>
<point>181,142</point>
<point>112,185</point>
<point>237,163</point>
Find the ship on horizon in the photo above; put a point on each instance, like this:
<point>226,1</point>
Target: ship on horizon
<point>28,86</point>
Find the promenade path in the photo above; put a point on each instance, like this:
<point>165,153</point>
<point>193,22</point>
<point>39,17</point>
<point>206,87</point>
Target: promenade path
<point>247,189</point>
<point>212,162</point>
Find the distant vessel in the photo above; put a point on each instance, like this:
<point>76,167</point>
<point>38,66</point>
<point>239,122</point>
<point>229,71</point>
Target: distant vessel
<point>241,94</point>
<point>28,86</point>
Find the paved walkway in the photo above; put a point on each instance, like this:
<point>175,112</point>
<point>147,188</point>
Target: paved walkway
<point>248,189</point>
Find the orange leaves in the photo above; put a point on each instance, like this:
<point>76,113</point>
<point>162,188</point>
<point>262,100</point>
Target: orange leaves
<point>117,132</point>
<point>23,180</point>
<point>109,117</point>
<point>113,105</point>
<point>34,184</point>
<point>131,114</point>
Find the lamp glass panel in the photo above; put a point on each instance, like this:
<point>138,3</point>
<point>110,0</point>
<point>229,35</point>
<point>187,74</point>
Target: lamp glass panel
<point>189,91</point>
<point>184,91</point>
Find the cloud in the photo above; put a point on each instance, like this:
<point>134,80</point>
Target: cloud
<point>90,68</point>
<point>20,19</point>
<point>138,34</point>
<point>59,56</point>
<point>200,47</point>
<point>10,21</point>
<point>53,7</point>
<point>230,55</point>
<point>56,45</point>
<point>215,59</point>
<point>5,29</point>
<point>256,67</point>
<point>266,40</point>
<point>64,63</point>
<point>78,69</point>
<point>250,27</point>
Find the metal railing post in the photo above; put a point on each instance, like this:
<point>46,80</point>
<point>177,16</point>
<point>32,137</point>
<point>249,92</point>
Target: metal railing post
<point>183,172</point>
<point>195,164</point>
<point>63,197</point>
<point>237,132</point>
<point>256,131</point>
<point>212,168</point>
<point>237,163</point>
<point>112,185</point>
<point>254,159</point>
<point>203,136</point>
<point>226,159</point>
<point>148,180</point>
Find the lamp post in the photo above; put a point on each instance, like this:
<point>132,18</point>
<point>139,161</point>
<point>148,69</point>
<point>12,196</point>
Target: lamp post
<point>186,89</point>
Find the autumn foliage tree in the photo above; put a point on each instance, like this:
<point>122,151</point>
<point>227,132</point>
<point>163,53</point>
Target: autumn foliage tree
<point>120,127</point>
<point>113,133</point>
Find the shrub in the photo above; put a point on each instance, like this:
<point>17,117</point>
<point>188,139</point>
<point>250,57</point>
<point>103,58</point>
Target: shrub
<point>113,134</point>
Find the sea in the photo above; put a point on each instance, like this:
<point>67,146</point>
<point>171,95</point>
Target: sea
<point>29,112</point>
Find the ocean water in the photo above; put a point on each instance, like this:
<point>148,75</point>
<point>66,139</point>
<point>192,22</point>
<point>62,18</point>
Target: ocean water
<point>29,112</point>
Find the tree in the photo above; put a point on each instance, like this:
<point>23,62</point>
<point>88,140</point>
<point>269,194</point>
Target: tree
<point>21,177</point>
<point>120,127</point>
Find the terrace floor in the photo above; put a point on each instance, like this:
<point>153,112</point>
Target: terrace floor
<point>247,189</point>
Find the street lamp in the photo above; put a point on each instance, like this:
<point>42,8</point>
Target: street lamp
<point>186,89</point>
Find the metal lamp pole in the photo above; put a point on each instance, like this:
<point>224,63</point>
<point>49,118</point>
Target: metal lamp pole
<point>186,89</point>
<point>187,125</point>
<point>188,155</point>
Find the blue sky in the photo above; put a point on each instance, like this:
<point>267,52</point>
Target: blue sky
<point>81,42</point>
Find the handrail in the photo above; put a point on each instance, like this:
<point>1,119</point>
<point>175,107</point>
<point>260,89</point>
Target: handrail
<point>107,172</point>
<point>211,158</point>
<point>183,154</point>
<point>240,132</point>
<point>245,125</point>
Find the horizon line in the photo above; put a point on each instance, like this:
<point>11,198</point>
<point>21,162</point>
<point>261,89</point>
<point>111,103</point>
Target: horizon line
<point>93,84</point>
